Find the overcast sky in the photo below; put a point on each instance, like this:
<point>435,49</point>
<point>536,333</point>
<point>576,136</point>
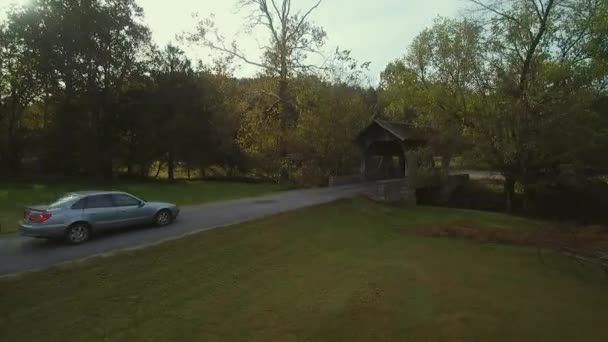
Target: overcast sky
<point>378,31</point>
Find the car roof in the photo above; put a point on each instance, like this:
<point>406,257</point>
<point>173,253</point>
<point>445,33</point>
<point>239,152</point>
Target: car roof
<point>96,192</point>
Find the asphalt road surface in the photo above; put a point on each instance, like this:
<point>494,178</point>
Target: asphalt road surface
<point>19,254</point>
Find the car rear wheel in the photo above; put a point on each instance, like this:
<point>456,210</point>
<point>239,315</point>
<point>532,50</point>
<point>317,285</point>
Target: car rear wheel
<point>163,218</point>
<point>78,233</point>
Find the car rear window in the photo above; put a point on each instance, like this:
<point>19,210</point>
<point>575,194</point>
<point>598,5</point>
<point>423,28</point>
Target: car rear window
<point>80,204</point>
<point>63,200</point>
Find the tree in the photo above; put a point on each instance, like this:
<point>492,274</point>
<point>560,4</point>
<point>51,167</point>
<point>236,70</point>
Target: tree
<point>19,86</point>
<point>332,107</point>
<point>323,138</point>
<point>86,52</point>
<point>435,84</point>
<point>225,121</point>
<point>539,57</point>
<point>519,85</point>
<point>292,37</point>
<point>186,101</point>
<point>83,81</point>
<point>138,122</point>
<point>175,83</point>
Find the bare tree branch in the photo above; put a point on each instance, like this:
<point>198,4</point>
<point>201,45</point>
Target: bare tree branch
<point>568,47</point>
<point>495,11</point>
<point>517,51</point>
<point>272,106</point>
<point>310,67</point>
<point>264,8</point>
<point>239,55</point>
<point>539,11</point>
<point>268,93</point>
<point>286,8</point>
<point>303,19</point>
<point>532,50</point>
<point>274,5</point>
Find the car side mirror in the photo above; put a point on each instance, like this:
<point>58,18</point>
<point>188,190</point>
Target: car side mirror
<point>141,204</point>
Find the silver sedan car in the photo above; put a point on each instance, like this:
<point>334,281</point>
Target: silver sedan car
<point>77,215</point>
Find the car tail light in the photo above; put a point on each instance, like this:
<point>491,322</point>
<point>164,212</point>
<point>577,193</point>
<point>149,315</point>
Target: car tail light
<point>40,217</point>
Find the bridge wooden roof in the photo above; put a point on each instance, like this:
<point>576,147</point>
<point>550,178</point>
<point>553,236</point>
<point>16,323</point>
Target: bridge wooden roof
<point>401,131</point>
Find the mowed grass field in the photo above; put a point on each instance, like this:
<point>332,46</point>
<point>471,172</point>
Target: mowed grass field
<point>15,196</point>
<point>345,271</point>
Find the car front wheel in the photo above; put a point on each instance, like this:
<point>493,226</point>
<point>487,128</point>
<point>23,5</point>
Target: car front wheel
<point>163,218</point>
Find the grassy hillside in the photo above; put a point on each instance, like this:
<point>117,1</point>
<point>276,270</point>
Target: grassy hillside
<point>343,272</point>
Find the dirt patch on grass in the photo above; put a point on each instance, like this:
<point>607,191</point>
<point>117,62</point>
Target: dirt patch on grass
<point>592,237</point>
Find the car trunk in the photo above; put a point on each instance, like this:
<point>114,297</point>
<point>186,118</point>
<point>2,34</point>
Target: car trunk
<point>33,209</point>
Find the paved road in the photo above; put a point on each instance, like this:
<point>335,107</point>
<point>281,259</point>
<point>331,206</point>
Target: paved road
<point>18,254</point>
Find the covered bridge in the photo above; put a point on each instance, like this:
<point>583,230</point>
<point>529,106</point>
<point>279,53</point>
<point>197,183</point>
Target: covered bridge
<point>387,147</point>
<point>388,157</point>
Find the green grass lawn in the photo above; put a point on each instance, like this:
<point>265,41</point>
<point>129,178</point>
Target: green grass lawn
<point>342,272</point>
<point>15,196</point>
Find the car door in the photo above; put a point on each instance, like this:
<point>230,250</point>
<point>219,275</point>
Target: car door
<point>130,209</point>
<point>100,212</point>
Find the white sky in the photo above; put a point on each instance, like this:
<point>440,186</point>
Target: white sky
<point>378,31</point>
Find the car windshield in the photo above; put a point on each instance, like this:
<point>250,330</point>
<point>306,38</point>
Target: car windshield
<point>61,201</point>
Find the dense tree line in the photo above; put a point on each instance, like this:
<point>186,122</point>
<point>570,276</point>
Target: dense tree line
<point>517,86</point>
<point>85,92</point>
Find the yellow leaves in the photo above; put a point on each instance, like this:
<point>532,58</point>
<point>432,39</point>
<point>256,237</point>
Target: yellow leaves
<point>257,136</point>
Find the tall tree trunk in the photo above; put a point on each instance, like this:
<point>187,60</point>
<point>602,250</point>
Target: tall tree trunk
<point>13,148</point>
<point>160,167</point>
<point>105,167</point>
<point>131,156</point>
<point>444,177</point>
<point>171,165</point>
<point>285,124</point>
<point>142,171</point>
<point>528,198</point>
<point>509,192</point>
<point>14,156</point>
<point>286,117</point>
<point>102,160</point>
<point>446,159</point>
<point>45,112</point>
